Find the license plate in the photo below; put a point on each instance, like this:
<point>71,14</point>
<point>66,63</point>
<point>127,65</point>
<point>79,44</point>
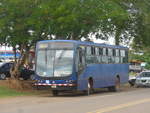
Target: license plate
<point>53,86</point>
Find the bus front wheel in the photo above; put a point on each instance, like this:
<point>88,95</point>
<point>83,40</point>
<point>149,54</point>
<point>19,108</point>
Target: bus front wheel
<point>90,86</point>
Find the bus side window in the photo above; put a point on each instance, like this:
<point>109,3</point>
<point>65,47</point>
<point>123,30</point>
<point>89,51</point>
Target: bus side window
<point>89,58</point>
<point>123,56</point>
<point>126,56</point>
<point>88,50</point>
<point>105,57</point>
<point>97,57</point>
<point>110,55</point>
<point>117,56</point>
<point>93,50</point>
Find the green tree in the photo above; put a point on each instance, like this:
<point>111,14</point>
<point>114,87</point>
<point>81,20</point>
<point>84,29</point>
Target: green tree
<point>142,24</point>
<point>24,22</point>
<point>14,28</point>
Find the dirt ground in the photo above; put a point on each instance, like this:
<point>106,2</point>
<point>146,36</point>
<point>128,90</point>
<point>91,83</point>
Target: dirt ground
<point>27,86</point>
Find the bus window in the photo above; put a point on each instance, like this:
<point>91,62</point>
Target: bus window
<point>104,59</point>
<point>91,58</point>
<point>104,51</point>
<point>93,50</point>
<point>100,51</point>
<point>107,51</point>
<point>117,57</point>
<point>114,52</point>
<point>109,55</point>
<point>122,56</point>
<point>122,52</point>
<point>97,50</point>
<point>88,50</point>
<point>117,52</point>
<point>126,56</point>
<point>110,52</point>
<point>54,63</point>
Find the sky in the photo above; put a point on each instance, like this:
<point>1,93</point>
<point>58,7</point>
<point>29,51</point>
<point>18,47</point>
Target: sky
<point>110,41</point>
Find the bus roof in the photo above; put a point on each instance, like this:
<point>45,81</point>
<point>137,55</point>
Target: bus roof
<point>86,43</point>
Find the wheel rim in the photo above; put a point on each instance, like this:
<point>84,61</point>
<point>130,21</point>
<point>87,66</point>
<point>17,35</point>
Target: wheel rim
<point>3,76</point>
<point>89,88</point>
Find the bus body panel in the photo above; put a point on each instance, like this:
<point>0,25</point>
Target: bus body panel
<point>103,75</point>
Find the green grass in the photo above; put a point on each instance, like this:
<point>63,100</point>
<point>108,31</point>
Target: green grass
<point>6,92</point>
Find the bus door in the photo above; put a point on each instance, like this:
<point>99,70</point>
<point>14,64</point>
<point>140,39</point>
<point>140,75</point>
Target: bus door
<point>81,61</point>
<point>81,65</point>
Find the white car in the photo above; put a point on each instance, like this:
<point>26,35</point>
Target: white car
<point>143,79</point>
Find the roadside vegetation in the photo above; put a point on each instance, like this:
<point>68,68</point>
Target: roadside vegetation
<point>142,55</point>
<point>8,92</point>
<point>8,89</point>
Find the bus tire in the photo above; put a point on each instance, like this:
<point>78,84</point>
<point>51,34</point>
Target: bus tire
<point>117,84</point>
<point>90,86</point>
<point>55,92</point>
<point>116,87</point>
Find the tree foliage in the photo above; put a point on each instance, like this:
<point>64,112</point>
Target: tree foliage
<point>142,27</point>
<point>71,19</point>
<point>24,22</point>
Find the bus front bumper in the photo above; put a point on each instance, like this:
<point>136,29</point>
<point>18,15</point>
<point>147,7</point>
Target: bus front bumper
<point>63,87</point>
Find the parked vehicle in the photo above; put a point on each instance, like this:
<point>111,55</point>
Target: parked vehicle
<point>135,66</point>
<point>132,80</point>
<point>27,74</point>
<point>5,71</point>
<point>143,79</point>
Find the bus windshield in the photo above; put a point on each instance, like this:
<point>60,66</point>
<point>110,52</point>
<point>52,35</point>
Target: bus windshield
<point>54,63</point>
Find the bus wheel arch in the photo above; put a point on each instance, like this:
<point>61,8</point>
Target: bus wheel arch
<point>116,86</point>
<point>118,77</point>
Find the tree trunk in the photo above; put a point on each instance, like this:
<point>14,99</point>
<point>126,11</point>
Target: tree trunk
<point>15,54</point>
<point>117,37</point>
<point>15,70</point>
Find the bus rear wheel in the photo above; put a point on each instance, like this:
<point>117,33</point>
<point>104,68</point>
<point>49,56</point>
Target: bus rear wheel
<point>55,92</point>
<point>116,87</point>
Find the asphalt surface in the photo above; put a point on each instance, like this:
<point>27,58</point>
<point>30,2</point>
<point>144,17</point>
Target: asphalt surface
<point>132,100</point>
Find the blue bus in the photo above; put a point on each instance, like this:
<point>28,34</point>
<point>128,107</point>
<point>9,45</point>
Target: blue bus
<point>69,65</point>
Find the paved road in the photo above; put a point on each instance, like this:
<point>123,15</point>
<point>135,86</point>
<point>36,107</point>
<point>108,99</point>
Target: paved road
<point>126,101</point>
